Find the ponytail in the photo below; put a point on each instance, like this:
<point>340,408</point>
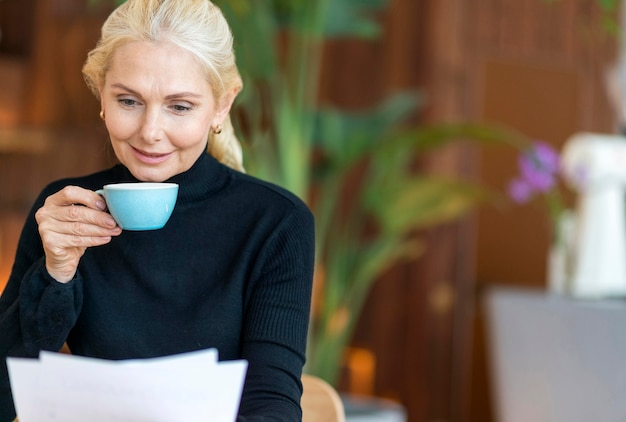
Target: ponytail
<point>225,146</point>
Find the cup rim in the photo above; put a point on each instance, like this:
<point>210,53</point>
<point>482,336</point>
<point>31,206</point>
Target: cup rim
<point>140,185</point>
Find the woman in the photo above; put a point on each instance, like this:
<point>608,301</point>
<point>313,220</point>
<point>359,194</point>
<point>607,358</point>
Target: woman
<point>232,269</point>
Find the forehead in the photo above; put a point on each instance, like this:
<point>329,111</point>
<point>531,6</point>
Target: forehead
<point>151,62</point>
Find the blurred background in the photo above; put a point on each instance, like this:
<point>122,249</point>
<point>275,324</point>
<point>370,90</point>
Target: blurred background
<point>535,67</point>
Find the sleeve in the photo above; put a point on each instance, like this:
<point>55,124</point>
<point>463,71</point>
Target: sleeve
<point>276,322</point>
<point>36,312</point>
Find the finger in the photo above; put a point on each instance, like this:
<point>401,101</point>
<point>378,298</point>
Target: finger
<point>75,195</point>
<point>106,227</point>
<point>81,215</point>
<point>59,243</point>
<point>74,219</point>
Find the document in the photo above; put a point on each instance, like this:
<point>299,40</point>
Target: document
<point>188,387</point>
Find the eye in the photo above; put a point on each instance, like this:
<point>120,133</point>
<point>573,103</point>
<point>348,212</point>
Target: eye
<point>181,108</point>
<point>127,102</point>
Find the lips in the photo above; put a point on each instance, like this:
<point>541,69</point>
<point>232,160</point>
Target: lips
<point>150,157</point>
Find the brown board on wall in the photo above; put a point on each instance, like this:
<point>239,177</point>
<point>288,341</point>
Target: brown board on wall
<point>542,102</point>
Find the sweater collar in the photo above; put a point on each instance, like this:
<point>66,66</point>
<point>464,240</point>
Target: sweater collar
<point>205,177</point>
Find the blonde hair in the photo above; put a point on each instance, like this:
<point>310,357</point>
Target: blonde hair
<point>197,26</point>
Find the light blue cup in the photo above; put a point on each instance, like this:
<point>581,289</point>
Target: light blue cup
<point>142,205</point>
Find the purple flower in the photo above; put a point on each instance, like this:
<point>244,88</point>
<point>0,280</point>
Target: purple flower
<point>519,190</point>
<point>538,174</point>
<point>539,166</point>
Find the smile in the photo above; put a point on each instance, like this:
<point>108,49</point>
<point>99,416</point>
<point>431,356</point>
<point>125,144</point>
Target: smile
<point>150,157</point>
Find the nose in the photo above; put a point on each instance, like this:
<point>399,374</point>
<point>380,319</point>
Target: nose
<point>152,125</point>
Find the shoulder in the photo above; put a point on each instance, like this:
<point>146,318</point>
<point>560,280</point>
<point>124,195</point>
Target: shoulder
<point>269,195</point>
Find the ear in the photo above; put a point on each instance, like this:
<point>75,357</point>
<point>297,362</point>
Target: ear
<point>224,106</point>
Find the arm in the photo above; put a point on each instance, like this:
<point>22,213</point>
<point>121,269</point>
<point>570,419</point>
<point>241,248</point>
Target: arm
<point>37,311</point>
<point>276,322</point>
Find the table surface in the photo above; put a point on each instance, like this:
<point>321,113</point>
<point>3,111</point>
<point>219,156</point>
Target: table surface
<point>556,358</point>
<point>371,409</point>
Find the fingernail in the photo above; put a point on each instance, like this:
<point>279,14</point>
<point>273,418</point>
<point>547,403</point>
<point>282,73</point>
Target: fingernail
<point>101,205</point>
<point>110,222</point>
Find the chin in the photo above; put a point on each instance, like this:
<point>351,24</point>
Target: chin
<point>144,175</point>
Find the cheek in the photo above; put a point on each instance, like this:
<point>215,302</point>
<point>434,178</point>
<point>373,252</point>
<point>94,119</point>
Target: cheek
<point>120,129</point>
<point>190,134</point>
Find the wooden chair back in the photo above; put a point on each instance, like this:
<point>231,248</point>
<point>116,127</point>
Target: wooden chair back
<point>320,401</point>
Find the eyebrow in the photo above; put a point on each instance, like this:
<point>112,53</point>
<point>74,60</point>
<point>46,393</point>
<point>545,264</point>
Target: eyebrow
<point>168,97</point>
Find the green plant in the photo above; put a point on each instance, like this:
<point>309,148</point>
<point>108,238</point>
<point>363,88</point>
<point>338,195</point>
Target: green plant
<point>93,3</point>
<point>315,151</point>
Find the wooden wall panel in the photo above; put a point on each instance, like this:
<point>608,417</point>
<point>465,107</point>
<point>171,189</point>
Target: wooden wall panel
<point>49,125</point>
<point>538,68</point>
<point>64,32</point>
<point>16,21</point>
<point>513,234</point>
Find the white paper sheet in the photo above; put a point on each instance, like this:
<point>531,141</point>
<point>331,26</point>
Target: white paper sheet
<point>191,387</point>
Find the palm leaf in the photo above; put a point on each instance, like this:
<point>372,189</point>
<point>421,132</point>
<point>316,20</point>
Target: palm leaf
<point>419,202</point>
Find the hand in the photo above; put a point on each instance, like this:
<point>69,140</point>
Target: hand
<point>70,221</point>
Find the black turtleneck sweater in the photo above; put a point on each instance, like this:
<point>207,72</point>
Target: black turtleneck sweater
<point>232,269</point>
